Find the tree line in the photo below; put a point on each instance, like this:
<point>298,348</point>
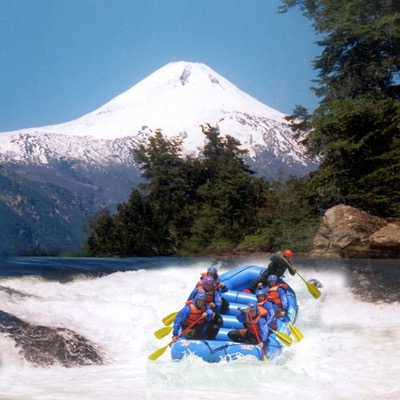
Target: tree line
<point>215,203</point>
<point>210,203</point>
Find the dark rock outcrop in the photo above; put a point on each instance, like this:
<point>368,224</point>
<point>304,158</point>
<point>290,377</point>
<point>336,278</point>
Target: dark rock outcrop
<point>350,233</point>
<point>44,346</point>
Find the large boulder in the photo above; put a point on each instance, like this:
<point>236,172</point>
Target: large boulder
<point>350,233</point>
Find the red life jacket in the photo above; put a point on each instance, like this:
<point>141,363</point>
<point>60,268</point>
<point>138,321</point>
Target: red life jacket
<point>252,323</point>
<point>195,314</point>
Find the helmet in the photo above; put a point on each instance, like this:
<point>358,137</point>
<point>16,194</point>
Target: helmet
<point>252,306</point>
<point>272,278</point>
<point>208,280</point>
<point>259,291</point>
<point>288,253</point>
<point>212,270</point>
<point>200,296</point>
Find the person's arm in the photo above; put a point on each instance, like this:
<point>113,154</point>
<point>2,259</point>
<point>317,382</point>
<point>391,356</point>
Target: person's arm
<point>241,315</point>
<point>180,318</point>
<point>292,270</point>
<point>208,314</point>
<point>217,302</point>
<point>193,294</point>
<point>262,323</point>
<point>271,314</point>
<point>222,287</point>
<point>284,299</point>
<point>261,279</point>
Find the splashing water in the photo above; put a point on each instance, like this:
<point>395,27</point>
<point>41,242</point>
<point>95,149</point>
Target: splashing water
<point>349,350</point>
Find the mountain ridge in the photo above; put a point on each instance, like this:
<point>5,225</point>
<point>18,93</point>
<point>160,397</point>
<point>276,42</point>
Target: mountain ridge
<point>89,153</point>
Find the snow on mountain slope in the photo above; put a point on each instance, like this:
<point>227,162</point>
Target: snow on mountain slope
<point>177,98</point>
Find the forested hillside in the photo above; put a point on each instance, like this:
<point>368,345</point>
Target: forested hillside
<point>38,218</point>
<point>207,204</point>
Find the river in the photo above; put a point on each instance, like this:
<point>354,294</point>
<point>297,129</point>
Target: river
<point>350,348</point>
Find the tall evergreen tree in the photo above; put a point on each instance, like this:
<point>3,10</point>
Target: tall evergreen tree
<point>356,128</point>
<point>228,197</point>
<point>163,166</point>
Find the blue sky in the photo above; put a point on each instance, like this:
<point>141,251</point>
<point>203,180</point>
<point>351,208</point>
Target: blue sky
<point>60,59</point>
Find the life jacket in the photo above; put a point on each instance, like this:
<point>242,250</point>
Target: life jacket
<point>261,304</point>
<point>195,314</point>
<point>209,295</point>
<point>252,323</point>
<point>216,281</point>
<point>273,295</point>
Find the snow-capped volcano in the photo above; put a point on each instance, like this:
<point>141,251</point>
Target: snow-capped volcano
<point>177,99</point>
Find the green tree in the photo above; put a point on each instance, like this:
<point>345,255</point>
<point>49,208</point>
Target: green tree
<point>227,197</point>
<point>356,128</point>
<point>163,166</point>
<point>103,236</point>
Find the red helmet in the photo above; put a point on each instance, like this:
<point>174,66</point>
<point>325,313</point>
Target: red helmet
<point>288,253</point>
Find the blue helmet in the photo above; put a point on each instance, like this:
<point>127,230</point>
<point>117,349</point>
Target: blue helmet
<point>212,270</point>
<point>252,306</point>
<point>272,278</point>
<point>200,296</point>
<point>260,291</point>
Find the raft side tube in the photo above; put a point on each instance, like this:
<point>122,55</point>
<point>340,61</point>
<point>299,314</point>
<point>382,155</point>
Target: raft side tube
<point>241,278</point>
<point>234,296</point>
<point>214,350</point>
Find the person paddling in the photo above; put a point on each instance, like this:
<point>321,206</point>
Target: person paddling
<point>277,294</point>
<point>256,331</point>
<point>278,264</point>
<point>270,307</point>
<point>218,286</point>
<point>213,297</point>
<point>198,313</point>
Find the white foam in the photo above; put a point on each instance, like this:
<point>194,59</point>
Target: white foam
<point>350,349</point>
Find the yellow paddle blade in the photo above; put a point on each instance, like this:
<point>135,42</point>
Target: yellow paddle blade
<point>169,319</point>
<point>315,292</point>
<point>285,339</point>
<point>162,332</point>
<point>158,353</point>
<point>296,332</point>
<point>265,359</point>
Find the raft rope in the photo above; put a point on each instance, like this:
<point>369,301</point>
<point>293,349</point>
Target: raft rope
<point>226,346</point>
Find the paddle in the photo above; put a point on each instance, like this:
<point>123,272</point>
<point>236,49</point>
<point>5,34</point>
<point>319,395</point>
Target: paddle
<point>315,292</point>
<point>295,332</point>
<point>285,339</point>
<point>258,339</point>
<point>154,356</point>
<point>162,332</point>
<point>169,319</point>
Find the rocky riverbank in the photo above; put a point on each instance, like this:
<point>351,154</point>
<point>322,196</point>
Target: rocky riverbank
<point>346,232</point>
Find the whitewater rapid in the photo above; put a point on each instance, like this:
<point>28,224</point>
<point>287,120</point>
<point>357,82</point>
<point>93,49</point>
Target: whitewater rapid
<point>349,350</point>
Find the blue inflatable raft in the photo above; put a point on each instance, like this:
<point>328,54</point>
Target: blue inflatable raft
<point>221,348</point>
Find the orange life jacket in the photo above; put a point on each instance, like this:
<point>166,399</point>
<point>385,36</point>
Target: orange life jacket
<point>209,295</point>
<point>273,295</point>
<point>203,275</point>
<point>261,304</point>
<point>252,323</point>
<point>195,314</point>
